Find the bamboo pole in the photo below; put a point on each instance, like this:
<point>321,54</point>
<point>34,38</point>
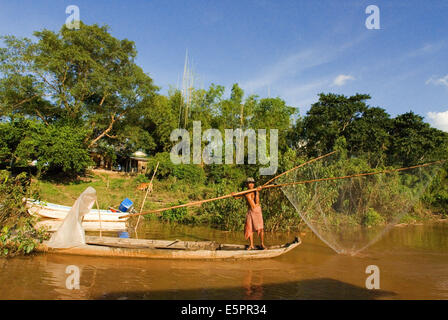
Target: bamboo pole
<point>146,194</point>
<point>353,175</point>
<point>299,166</point>
<point>192,203</point>
<point>279,186</point>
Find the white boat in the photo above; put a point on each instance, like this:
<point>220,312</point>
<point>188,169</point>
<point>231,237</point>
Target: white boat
<point>52,225</point>
<point>59,212</point>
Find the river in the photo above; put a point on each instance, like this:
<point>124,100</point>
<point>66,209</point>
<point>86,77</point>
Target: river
<point>413,264</point>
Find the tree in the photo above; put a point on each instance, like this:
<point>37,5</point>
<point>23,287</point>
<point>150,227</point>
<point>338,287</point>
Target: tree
<point>57,148</point>
<point>11,134</point>
<point>205,106</point>
<point>368,136</point>
<point>330,118</point>
<point>82,77</point>
<point>413,141</point>
<point>273,113</point>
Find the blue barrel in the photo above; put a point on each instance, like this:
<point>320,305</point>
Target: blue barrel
<point>125,205</point>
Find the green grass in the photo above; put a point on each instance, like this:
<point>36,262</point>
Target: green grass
<point>113,188</point>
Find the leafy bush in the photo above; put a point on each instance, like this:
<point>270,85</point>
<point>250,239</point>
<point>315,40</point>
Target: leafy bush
<point>12,192</point>
<point>141,178</point>
<point>407,218</point>
<point>165,168</point>
<point>372,218</point>
<point>278,212</point>
<point>11,134</point>
<point>55,147</point>
<point>61,148</point>
<point>226,214</point>
<point>174,215</point>
<point>218,173</point>
<point>436,196</point>
<point>22,239</point>
<point>189,172</point>
<point>17,235</point>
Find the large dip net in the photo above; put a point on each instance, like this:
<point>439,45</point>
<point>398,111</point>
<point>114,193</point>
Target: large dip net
<point>71,233</point>
<point>349,206</point>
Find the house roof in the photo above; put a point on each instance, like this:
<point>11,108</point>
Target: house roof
<point>139,155</point>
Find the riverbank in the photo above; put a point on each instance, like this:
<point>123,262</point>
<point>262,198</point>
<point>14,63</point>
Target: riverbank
<point>112,187</point>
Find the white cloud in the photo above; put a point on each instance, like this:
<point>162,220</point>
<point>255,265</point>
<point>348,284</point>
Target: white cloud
<point>439,120</point>
<point>342,79</point>
<point>438,81</point>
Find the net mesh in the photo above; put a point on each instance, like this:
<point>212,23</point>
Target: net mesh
<point>353,213</point>
<point>71,233</point>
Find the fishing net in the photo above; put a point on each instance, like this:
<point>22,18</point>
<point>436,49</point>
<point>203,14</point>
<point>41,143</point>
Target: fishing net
<point>71,233</point>
<point>350,213</point>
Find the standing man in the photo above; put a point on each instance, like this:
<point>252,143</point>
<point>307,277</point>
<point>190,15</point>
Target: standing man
<point>254,217</point>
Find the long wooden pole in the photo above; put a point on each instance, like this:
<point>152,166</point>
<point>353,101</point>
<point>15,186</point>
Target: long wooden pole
<point>280,185</point>
<point>299,166</point>
<point>192,203</point>
<point>352,176</point>
<point>146,194</point>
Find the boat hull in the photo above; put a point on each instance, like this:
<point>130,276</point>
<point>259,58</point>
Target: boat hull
<point>59,212</point>
<point>163,249</point>
<point>52,225</point>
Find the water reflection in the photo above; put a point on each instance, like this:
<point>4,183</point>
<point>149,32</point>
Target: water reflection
<point>412,261</point>
<point>253,286</point>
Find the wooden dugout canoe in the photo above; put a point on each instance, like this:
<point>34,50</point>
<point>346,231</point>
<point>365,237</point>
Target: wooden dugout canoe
<point>169,249</point>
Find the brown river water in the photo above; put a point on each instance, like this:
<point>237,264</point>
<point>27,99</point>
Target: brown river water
<point>413,264</point>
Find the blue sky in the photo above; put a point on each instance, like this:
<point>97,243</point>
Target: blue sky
<point>292,49</point>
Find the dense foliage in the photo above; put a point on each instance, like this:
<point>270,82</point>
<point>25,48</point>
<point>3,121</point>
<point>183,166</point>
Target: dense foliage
<point>54,148</point>
<point>17,232</point>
